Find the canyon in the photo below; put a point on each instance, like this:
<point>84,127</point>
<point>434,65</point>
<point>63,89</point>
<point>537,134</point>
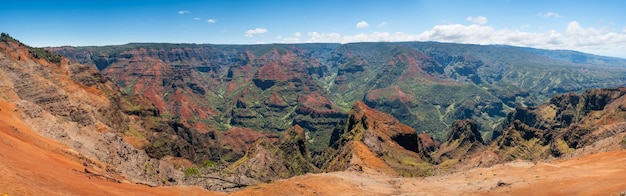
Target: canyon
<point>376,118</point>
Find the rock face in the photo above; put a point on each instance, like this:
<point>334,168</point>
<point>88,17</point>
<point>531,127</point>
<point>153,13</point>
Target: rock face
<point>373,141</point>
<point>569,121</point>
<point>79,107</point>
<point>463,139</point>
<point>520,141</point>
<point>180,141</point>
<point>207,87</point>
<point>567,124</point>
<point>267,161</point>
<point>273,87</point>
<point>216,98</point>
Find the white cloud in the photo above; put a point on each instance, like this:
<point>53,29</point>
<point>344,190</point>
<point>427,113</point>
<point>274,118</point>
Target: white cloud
<point>549,15</point>
<point>181,12</point>
<point>196,18</point>
<point>362,24</point>
<point>211,21</point>
<point>573,28</point>
<point>480,20</point>
<point>382,24</point>
<point>252,32</point>
<point>295,39</point>
<point>604,41</point>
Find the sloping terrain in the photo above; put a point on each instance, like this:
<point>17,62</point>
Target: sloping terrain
<point>81,122</point>
<point>569,121</point>
<point>35,165</point>
<point>115,133</point>
<point>63,174</point>
<point>463,140</point>
<point>378,142</point>
<point>426,85</point>
<point>74,105</point>
<point>212,87</point>
<point>597,174</point>
<point>268,161</point>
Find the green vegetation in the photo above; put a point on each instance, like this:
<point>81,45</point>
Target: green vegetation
<point>166,116</point>
<point>133,132</point>
<point>426,85</point>
<point>454,81</point>
<point>209,164</point>
<point>563,147</point>
<point>37,53</point>
<point>42,53</point>
<point>5,37</point>
<point>239,162</point>
<point>150,168</point>
<point>128,88</point>
<point>191,171</point>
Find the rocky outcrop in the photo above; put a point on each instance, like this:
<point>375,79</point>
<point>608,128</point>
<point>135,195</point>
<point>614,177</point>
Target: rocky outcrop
<point>267,161</point>
<point>78,107</point>
<point>374,141</point>
<point>425,85</point>
<point>569,121</point>
<point>81,108</point>
<point>180,141</point>
<point>207,87</point>
<point>426,146</point>
<point>463,139</point>
<point>520,141</point>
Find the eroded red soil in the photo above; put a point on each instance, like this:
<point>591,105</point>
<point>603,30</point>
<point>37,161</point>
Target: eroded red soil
<point>34,165</point>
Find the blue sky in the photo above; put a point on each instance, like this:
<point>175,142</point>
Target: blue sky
<point>597,27</point>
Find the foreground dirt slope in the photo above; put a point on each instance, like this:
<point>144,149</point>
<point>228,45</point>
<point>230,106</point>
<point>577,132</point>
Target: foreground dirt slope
<point>598,174</point>
<point>34,165</point>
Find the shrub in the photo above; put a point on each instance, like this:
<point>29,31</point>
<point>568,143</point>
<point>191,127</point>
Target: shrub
<point>209,164</point>
<point>192,171</point>
<point>42,53</point>
<point>37,53</point>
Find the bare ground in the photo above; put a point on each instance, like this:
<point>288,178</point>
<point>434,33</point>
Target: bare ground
<point>34,165</point>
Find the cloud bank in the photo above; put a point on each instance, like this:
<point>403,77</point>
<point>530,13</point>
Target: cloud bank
<point>549,15</point>
<point>362,24</point>
<point>382,24</point>
<point>477,20</point>
<point>604,41</point>
<point>257,31</point>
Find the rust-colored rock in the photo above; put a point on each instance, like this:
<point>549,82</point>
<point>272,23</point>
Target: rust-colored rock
<point>463,140</point>
<point>267,161</point>
<point>370,132</point>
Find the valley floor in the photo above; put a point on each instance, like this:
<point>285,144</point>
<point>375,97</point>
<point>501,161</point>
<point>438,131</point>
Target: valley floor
<point>34,165</point>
